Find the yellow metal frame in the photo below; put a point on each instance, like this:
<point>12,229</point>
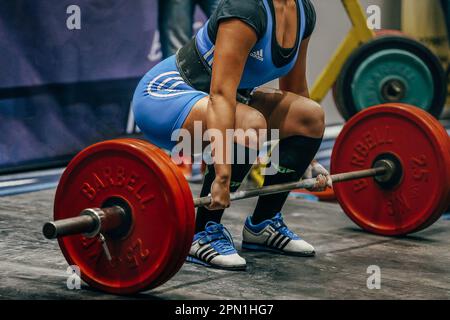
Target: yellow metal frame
<point>360,33</point>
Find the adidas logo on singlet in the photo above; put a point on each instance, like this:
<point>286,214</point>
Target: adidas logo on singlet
<point>258,54</point>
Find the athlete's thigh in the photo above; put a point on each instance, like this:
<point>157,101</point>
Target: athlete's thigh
<point>246,117</point>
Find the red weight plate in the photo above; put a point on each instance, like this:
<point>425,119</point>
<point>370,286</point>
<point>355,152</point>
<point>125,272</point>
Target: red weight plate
<point>402,131</point>
<point>181,227</point>
<point>186,218</point>
<point>179,257</point>
<point>445,141</point>
<point>188,221</point>
<point>327,195</point>
<point>119,169</point>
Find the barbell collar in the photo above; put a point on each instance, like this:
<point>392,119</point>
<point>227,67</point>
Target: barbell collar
<point>90,223</point>
<point>390,170</point>
<point>70,226</point>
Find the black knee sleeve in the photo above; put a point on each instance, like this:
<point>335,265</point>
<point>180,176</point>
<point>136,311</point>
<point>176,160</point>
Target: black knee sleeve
<point>295,155</point>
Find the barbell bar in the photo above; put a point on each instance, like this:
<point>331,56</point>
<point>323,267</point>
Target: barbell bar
<point>94,221</point>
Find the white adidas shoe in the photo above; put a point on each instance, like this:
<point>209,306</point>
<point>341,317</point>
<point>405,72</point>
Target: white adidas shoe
<point>274,236</point>
<point>214,247</point>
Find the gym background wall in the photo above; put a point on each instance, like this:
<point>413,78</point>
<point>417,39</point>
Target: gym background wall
<point>63,89</point>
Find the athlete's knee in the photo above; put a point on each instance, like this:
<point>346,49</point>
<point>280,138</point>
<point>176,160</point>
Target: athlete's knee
<point>252,131</point>
<point>255,120</point>
<point>314,118</point>
<point>309,119</point>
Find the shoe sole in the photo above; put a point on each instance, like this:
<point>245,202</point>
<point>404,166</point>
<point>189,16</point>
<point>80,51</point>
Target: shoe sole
<point>194,260</point>
<point>260,248</point>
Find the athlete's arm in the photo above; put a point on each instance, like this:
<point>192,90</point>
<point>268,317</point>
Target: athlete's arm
<point>295,81</point>
<point>234,41</point>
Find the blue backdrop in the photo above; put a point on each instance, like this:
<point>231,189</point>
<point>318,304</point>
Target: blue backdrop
<point>62,89</point>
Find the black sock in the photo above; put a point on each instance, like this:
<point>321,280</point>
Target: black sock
<point>238,173</point>
<point>295,155</point>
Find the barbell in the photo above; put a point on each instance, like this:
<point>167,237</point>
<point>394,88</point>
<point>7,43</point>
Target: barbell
<point>93,221</point>
<point>124,213</point>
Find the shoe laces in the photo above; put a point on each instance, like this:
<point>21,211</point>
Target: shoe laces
<point>281,227</point>
<point>218,235</point>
